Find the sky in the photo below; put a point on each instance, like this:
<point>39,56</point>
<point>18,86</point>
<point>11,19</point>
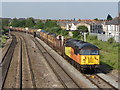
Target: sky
<point>59,10</point>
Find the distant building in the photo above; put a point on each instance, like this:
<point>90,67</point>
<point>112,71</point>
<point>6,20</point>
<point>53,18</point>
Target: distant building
<point>71,26</point>
<point>68,24</point>
<point>96,28</point>
<point>112,27</point>
<point>21,18</point>
<point>92,27</point>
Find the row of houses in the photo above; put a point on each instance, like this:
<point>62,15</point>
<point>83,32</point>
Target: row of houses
<point>102,27</point>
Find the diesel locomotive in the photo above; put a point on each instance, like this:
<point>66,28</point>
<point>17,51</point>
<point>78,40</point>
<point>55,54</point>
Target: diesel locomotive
<point>84,54</point>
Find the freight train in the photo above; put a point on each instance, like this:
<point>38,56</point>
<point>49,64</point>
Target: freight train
<point>82,55</point>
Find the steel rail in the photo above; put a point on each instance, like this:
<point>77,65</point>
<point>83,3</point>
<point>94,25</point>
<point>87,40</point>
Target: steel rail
<point>21,63</point>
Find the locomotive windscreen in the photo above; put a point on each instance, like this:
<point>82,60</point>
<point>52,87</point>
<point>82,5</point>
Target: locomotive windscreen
<point>89,52</point>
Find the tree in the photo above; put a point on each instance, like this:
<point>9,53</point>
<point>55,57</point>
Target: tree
<point>39,24</point>
<point>111,40</point>
<point>74,19</point>
<point>109,17</point>
<point>64,32</point>
<point>15,23</point>
<point>56,30</point>
<point>82,28</point>
<point>22,23</point>
<point>96,19</point>
<point>49,24</point>
<point>5,22</point>
<point>30,22</point>
<point>75,34</point>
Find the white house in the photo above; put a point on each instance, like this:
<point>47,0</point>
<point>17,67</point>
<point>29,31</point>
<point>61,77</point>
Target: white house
<point>112,27</point>
<point>92,27</point>
<point>71,26</point>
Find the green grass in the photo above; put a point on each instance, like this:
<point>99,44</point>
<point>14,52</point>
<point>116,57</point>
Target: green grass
<point>108,51</point>
<point>3,39</point>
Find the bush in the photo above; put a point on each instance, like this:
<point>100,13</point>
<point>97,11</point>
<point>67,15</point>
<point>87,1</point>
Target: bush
<point>111,40</point>
<point>76,34</point>
<point>64,32</point>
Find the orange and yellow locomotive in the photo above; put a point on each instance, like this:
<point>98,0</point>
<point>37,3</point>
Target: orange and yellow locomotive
<point>86,55</point>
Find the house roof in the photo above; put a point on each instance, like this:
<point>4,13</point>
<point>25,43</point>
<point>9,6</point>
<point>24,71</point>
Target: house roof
<point>64,23</point>
<point>115,21</point>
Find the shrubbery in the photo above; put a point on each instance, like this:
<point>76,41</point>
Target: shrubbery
<point>111,40</point>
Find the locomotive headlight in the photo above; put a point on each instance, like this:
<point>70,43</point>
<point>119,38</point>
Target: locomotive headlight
<point>97,59</point>
<point>83,57</point>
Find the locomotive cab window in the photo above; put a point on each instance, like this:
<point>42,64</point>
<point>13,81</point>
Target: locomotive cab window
<point>76,51</point>
<point>89,52</point>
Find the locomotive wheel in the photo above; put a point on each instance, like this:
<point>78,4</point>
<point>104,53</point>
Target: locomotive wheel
<point>82,70</point>
<point>92,70</point>
<point>68,61</point>
<point>73,63</point>
<point>78,67</point>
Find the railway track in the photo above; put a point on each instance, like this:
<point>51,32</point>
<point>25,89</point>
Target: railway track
<point>100,82</point>
<point>97,80</point>
<point>18,67</point>
<point>62,76</point>
<point>6,60</point>
<point>22,74</point>
<point>30,66</point>
<point>27,79</point>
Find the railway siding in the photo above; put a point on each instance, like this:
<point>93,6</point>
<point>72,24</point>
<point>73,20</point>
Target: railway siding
<point>13,70</point>
<point>75,75</point>
<point>6,61</point>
